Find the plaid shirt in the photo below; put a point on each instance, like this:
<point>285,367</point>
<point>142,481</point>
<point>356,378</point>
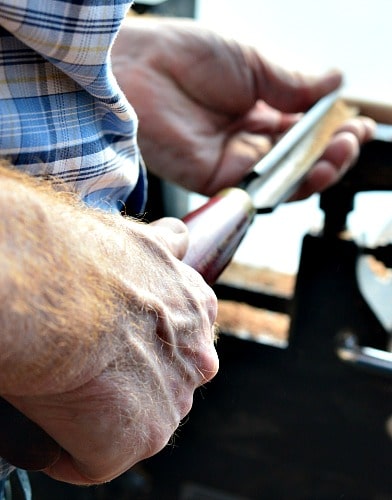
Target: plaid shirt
<point>62,113</point>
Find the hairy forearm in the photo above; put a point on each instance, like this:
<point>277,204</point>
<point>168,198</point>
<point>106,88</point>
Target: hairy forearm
<point>104,332</point>
<point>57,299</point>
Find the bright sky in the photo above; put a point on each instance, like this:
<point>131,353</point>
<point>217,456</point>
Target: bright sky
<point>312,36</point>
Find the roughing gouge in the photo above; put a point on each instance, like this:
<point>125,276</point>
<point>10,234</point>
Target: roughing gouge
<point>216,230</point>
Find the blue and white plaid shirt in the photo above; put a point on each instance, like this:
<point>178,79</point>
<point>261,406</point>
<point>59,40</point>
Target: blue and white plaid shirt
<point>62,113</point>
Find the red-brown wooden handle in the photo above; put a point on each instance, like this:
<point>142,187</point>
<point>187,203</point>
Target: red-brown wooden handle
<point>216,229</point>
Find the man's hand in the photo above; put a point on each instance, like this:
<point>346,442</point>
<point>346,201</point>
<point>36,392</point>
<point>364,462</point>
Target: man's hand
<point>105,333</point>
<point>209,107</point>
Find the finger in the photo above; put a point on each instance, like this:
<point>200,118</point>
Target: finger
<point>174,233</point>
<point>287,90</point>
<point>239,156</point>
<point>65,469</point>
<point>362,128</point>
<point>263,119</point>
<point>339,156</point>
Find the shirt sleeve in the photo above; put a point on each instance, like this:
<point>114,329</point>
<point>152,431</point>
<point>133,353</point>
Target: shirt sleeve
<point>74,35</point>
<point>61,109</point>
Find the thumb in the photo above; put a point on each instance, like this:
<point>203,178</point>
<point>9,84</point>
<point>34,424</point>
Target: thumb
<point>290,91</point>
<point>174,233</point>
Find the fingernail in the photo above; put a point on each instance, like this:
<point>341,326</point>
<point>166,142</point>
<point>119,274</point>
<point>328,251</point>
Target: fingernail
<point>175,225</point>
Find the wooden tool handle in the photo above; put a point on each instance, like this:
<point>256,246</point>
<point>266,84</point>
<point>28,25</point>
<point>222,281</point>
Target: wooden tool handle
<point>23,443</point>
<point>216,229</point>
